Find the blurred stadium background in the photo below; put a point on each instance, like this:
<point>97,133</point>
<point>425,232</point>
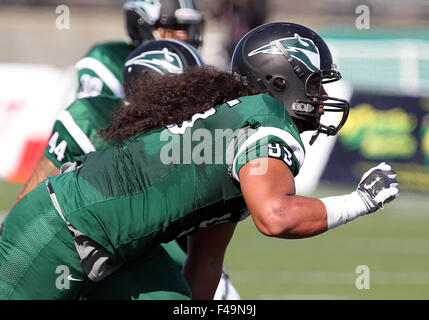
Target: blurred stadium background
<point>386,76</point>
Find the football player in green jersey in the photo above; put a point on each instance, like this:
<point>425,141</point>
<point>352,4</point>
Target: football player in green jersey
<point>100,72</point>
<point>100,78</point>
<point>232,149</point>
<point>75,134</point>
<point>100,75</point>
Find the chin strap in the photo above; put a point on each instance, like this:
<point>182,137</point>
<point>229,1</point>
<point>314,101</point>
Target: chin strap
<point>329,131</point>
<point>314,137</point>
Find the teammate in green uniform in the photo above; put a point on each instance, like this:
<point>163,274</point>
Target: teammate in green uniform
<point>194,171</point>
<point>75,130</point>
<point>100,71</point>
<point>75,134</point>
<point>100,74</point>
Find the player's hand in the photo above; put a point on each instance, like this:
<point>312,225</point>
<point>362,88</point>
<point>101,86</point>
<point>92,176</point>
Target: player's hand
<point>378,186</point>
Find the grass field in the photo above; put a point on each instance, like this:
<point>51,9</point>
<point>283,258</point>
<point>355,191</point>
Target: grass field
<point>393,244</point>
<point>8,193</point>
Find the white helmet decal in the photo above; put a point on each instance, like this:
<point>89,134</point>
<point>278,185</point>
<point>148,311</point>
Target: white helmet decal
<point>162,61</point>
<point>300,48</point>
<point>149,10</point>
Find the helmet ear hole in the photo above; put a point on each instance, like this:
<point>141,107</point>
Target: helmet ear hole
<point>279,83</point>
<point>268,78</point>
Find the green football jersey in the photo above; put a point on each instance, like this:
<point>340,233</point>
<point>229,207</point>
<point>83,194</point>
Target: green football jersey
<point>99,93</point>
<point>100,71</point>
<point>167,182</point>
<point>75,130</point>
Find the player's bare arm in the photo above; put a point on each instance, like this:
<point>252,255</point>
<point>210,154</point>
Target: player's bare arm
<point>44,167</point>
<point>277,211</point>
<point>206,251</point>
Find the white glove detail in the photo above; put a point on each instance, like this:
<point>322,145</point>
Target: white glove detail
<point>378,186</point>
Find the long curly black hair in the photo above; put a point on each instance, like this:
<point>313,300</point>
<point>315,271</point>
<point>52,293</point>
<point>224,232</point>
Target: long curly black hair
<point>161,100</point>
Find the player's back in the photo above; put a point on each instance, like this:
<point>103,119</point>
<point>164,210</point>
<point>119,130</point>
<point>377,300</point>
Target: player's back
<point>168,181</point>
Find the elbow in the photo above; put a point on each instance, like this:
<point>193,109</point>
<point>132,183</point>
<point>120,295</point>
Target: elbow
<point>276,219</point>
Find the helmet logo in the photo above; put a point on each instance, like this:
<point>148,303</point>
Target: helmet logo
<point>300,48</point>
<point>149,10</point>
<point>162,61</point>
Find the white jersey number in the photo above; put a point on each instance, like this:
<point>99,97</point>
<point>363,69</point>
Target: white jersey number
<point>275,151</point>
<point>175,129</point>
<point>89,86</point>
<point>58,149</point>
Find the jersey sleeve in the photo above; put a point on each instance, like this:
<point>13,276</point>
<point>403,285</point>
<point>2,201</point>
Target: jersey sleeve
<point>267,142</point>
<point>262,129</point>
<point>100,71</point>
<point>62,146</point>
<point>75,131</point>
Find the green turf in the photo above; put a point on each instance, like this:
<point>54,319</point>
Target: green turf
<point>8,193</point>
<point>393,243</point>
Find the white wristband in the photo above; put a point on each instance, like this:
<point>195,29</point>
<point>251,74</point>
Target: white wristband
<point>342,209</point>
